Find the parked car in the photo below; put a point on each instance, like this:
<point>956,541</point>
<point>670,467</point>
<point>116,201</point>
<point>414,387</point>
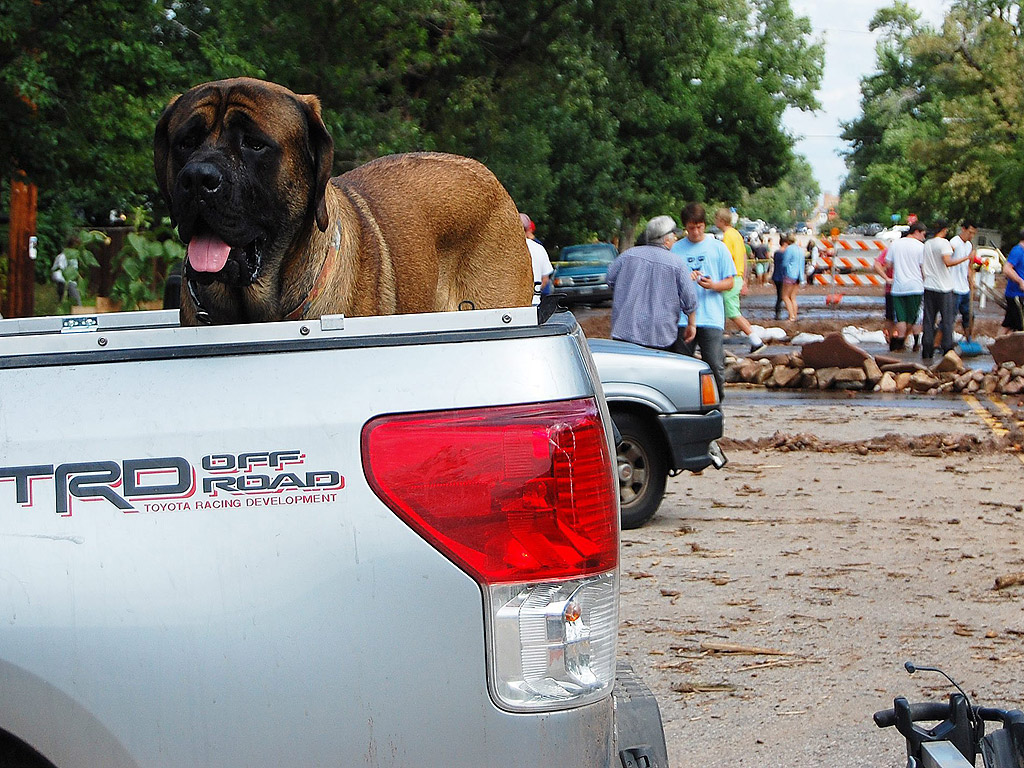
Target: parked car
<point>668,414</point>
<point>581,273</point>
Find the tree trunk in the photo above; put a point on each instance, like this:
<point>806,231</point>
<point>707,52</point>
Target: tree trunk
<point>19,301</point>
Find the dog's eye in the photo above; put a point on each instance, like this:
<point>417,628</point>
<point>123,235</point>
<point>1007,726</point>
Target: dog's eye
<point>254,143</point>
<point>188,142</point>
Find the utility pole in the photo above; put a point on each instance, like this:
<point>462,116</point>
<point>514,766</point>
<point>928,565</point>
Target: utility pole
<point>20,298</point>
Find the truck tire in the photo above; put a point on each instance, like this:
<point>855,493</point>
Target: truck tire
<point>642,469</point>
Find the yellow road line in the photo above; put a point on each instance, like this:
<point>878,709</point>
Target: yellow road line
<point>1002,407</point>
<point>990,421</point>
<point>982,412</point>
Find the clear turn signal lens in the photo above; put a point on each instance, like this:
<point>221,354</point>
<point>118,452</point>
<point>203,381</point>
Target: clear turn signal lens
<point>553,644</point>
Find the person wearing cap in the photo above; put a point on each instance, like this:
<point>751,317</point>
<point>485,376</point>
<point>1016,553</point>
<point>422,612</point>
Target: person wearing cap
<point>712,270</point>
<point>731,299</point>
<point>906,256</point>
<point>542,268</point>
<point>939,299</point>
<point>652,290</point>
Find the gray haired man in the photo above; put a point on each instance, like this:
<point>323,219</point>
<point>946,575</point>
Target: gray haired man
<point>653,290</point>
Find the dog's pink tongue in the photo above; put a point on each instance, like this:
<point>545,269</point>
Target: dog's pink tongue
<point>208,253</point>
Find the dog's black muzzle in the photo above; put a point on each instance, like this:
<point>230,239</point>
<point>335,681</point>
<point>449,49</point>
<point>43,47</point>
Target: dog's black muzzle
<point>207,202</point>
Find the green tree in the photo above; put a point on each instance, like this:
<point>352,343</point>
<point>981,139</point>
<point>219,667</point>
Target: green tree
<point>790,201</point>
<point>941,124</point>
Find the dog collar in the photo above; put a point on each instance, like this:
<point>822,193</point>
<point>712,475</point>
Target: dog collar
<point>202,316</point>
<point>321,279</point>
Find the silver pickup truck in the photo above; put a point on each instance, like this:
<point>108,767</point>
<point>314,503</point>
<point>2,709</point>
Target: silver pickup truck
<point>669,417</point>
<point>373,541</point>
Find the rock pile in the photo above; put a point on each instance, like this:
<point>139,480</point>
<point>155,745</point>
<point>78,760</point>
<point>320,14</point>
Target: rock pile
<point>834,363</point>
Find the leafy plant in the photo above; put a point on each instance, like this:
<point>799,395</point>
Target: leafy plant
<point>144,261</point>
<point>141,265</point>
<point>80,256</point>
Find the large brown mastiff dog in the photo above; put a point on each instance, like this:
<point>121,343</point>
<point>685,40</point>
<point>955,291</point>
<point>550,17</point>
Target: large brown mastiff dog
<point>245,166</point>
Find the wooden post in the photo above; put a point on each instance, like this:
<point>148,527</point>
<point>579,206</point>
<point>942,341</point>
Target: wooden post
<point>20,298</point>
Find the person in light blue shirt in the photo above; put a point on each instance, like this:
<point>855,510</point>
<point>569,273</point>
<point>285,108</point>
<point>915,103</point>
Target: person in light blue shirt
<point>792,269</point>
<point>713,273</point>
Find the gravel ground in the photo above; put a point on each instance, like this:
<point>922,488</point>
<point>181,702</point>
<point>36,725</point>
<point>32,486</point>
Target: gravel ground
<point>823,570</point>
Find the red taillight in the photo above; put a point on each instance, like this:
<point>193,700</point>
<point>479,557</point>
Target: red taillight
<point>510,494</point>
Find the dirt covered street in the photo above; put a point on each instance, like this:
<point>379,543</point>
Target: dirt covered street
<point>771,605</point>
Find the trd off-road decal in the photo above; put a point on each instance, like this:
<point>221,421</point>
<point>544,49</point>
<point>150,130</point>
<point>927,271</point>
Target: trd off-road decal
<point>221,481</point>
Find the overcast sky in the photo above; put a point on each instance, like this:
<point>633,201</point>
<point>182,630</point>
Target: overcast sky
<point>849,55</point>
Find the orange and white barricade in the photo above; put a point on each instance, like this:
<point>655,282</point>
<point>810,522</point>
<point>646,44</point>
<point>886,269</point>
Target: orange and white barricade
<point>843,261</point>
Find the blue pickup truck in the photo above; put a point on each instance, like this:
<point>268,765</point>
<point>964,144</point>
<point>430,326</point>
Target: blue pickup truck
<point>581,273</point>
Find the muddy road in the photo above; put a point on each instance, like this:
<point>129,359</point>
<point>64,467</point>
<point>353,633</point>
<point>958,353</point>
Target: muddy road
<point>771,605</point>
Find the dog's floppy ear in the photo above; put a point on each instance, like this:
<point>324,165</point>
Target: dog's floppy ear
<point>161,149</point>
<point>321,150</point>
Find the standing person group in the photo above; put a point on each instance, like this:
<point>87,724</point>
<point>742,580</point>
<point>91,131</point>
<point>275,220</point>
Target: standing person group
<point>930,275</point>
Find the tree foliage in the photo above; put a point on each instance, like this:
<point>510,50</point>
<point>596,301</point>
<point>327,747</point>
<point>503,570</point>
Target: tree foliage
<point>790,201</point>
<point>941,130</point>
<point>595,114</point>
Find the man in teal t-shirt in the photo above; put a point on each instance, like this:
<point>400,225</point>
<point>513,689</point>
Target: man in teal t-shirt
<point>713,272</point>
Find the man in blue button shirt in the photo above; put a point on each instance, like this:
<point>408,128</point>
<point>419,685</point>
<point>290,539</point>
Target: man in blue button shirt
<point>713,272</point>
<point>653,290</point>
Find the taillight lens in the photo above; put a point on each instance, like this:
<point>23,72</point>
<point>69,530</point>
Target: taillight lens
<point>524,499</point>
<point>510,494</point>
<point>708,390</point>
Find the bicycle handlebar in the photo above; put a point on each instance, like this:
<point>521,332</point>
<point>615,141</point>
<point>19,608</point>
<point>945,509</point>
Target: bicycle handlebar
<point>940,710</point>
<point>925,710</point>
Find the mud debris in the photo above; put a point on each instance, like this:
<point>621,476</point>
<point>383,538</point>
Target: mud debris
<point>935,444</point>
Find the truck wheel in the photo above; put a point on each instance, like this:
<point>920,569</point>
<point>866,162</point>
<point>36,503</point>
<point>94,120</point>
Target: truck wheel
<point>642,470</point>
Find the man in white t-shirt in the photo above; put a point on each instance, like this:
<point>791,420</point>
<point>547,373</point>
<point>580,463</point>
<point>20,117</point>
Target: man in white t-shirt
<point>906,256</point>
<point>542,268</point>
<point>963,275</point>
<point>938,290</point>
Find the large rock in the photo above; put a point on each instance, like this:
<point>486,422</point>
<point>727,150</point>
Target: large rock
<point>764,373</point>
<point>922,381</point>
<point>950,362</point>
<point>826,377</point>
<point>1014,387</point>
<point>784,376</point>
<point>1009,348</point>
<point>884,360</point>
<point>887,383</point>
<point>748,369</point>
<point>874,373</point>
<point>845,375</point>
<point>902,379</point>
<point>902,367</point>
<point>833,352</point>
